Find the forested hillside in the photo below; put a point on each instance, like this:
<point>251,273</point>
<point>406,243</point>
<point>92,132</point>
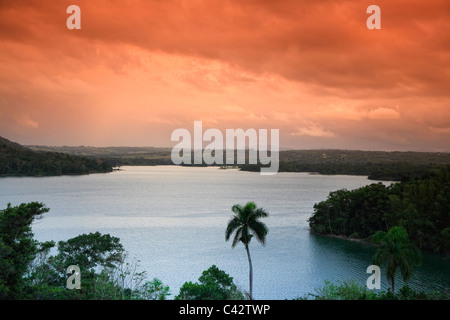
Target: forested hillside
<point>17,160</point>
<point>421,206</point>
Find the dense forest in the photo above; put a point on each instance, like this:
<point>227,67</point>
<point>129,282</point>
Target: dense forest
<point>17,160</point>
<point>420,205</point>
<point>377,165</point>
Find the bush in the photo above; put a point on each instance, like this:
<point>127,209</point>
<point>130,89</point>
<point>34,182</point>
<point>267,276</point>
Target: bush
<point>351,290</point>
<point>214,284</point>
<point>344,290</point>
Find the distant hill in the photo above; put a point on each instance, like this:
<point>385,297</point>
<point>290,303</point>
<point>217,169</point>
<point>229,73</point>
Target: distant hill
<point>377,165</point>
<point>18,160</point>
<point>116,156</point>
<point>10,144</point>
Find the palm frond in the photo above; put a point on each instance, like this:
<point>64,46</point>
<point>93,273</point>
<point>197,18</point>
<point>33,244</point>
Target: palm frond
<point>381,255</point>
<point>396,249</point>
<point>246,236</point>
<point>237,209</point>
<point>379,237</point>
<point>233,224</point>
<point>261,213</point>
<point>245,224</point>
<point>259,229</point>
<point>237,237</point>
<point>248,211</point>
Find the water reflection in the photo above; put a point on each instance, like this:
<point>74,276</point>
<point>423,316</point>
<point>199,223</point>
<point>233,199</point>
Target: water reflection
<point>342,259</point>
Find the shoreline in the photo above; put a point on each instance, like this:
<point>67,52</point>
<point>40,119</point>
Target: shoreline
<point>446,255</point>
<point>342,237</point>
<point>337,236</point>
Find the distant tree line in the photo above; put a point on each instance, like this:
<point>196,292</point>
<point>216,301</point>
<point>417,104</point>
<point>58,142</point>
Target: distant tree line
<point>387,171</point>
<point>420,205</point>
<point>16,160</point>
<point>377,165</point>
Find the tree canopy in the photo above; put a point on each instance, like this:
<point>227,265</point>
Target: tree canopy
<point>17,246</point>
<point>213,284</point>
<point>419,205</point>
<point>397,251</point>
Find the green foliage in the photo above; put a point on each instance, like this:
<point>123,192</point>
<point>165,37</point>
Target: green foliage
<point>95,254</point>
<point>344,290</point>
<point>396,249</point>
<point>352,213</point>
<point>153,290</point>
<point>214,284</point>
<point>105,273</point>
<point>123,281</point>
<point>91,250</point>
<point>421,206</point>
<point>17,246</point>
<point>352,290</point>
<point>16,160</point>
<point>245,224</point>
<point>29,271</point>
<point>406,293</point>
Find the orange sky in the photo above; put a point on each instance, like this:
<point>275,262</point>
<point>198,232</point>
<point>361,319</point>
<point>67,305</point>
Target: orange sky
<point>138,69</point>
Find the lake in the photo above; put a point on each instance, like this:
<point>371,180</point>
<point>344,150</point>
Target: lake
<point>173,219</point>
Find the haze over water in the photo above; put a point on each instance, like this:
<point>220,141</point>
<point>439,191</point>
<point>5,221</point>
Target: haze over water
<point>173,220</point>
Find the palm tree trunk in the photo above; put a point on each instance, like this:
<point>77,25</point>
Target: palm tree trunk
<point>392,283</point>
<point>250,272</point>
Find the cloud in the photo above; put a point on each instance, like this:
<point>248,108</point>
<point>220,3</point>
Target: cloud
<point>310,68</point>
<point>27,122</point>
<point>314,131</point>
<point>281,37</point>
<point>383,113</point>
<point>232,108</point>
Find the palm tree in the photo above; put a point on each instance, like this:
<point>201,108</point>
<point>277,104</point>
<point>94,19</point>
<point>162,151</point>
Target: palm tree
<point>396,249</point>
<point>244,224</point>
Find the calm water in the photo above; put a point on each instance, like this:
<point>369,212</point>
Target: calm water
<point>173,220</point>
